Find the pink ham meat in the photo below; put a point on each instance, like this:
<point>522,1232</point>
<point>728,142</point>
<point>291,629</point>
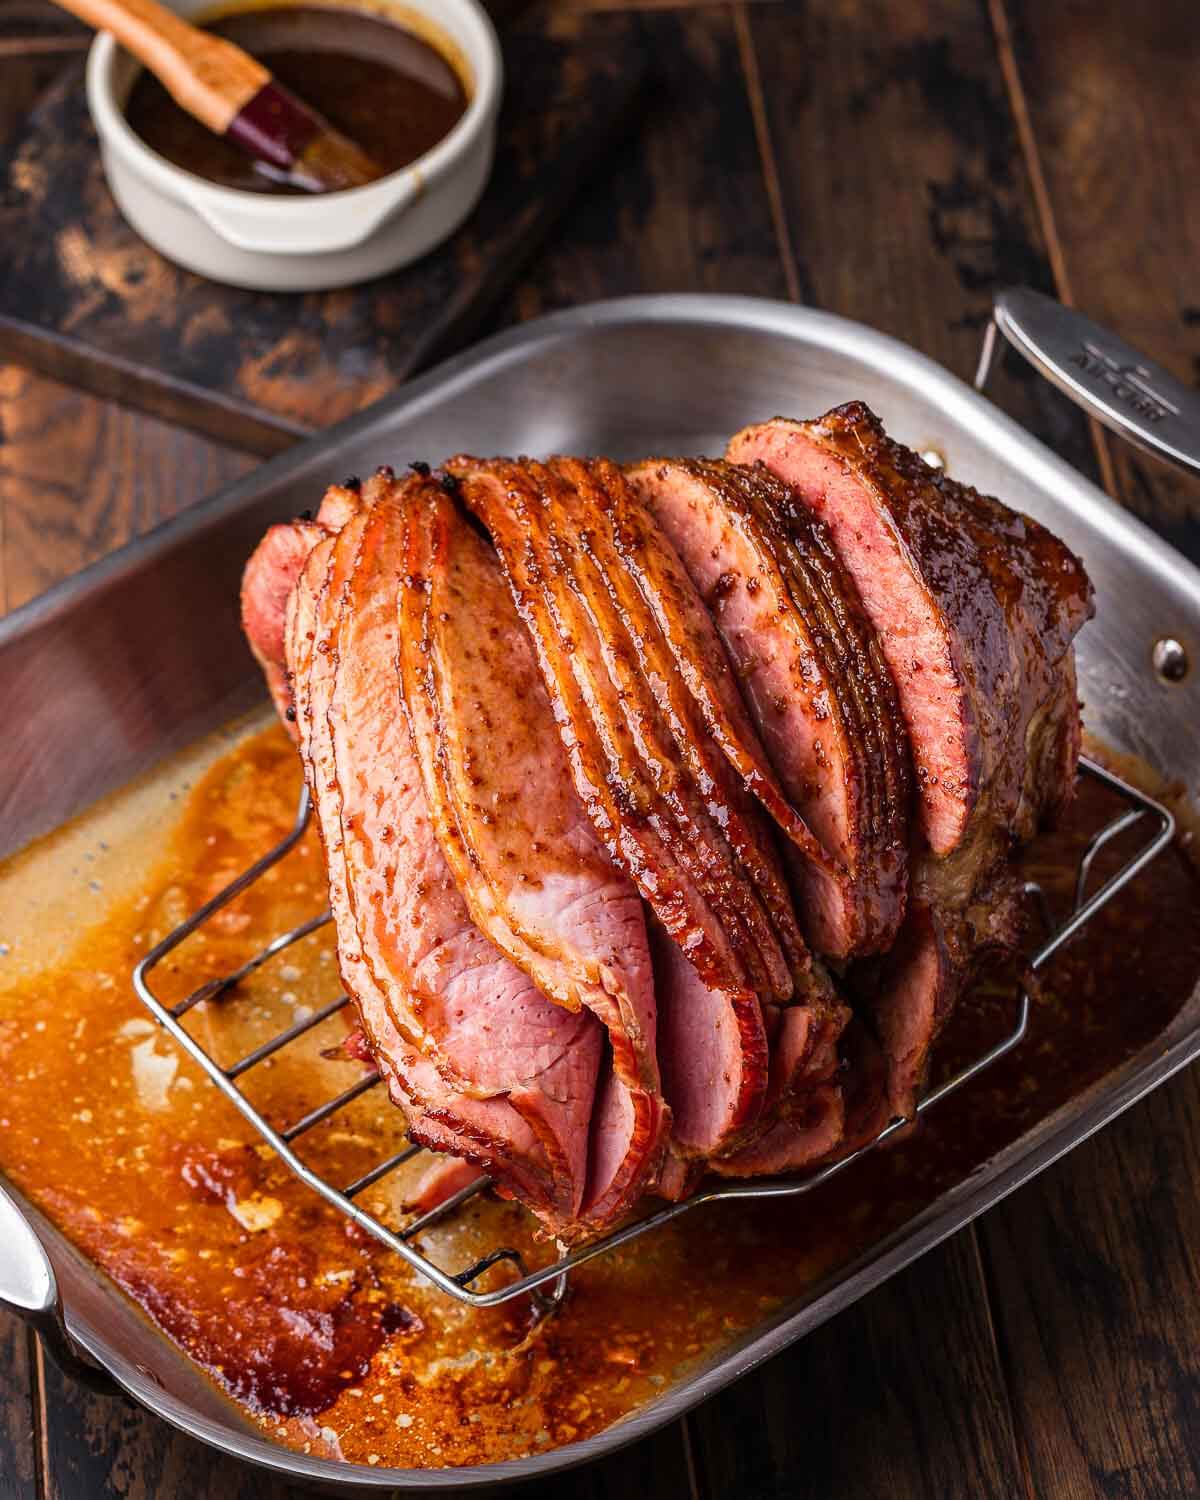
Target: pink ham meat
<point>274,573</point>
<point>683,659</point>
<point>533,873</point>
<point>505,1071</point>
<point>804,1113</point>
<point>676,824</point>
<point>487,1132</point>
<point>976,608</point>
<point>714,1058</point>
<point>806,1130</point>
<point>387,1045</point>
<point>269,581</point>
<point>650,821</point>
<point>808,665</point>
<point>909,997</point>
<point>405,1072</point>
<point>546,782</point>
<point>554,525</point>
<point>445,1177</point>
<point>947,939</point>
<point>267,585</point>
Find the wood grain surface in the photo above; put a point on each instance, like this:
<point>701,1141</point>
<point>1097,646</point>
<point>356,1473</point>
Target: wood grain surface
<point>83,299</point>
<point>1112,111</point>
<point>81,477</point>
<point>1095,1268</point>
<point>18,1440</point>
<point>907,94</point>
<point>687,210</point>
<point>104,1445</point>
<point>905,1413</point>
<point>895,162</point>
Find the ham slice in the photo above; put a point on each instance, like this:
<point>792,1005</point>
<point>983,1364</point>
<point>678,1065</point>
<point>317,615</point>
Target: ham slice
<point>686,671</point>
<point>267,584</point>
<point>468,1129</point>
<point>684,663</point>
<point>488,1055</point>
<point>714,1056</point>
<point>976,608</point>
<point>539,1154</point>
<point>269,581</point>
<point>638,798</point>
<point>627,772</point>
<point>523,853</point>
<point>630,719</point>
<point>808,664</point>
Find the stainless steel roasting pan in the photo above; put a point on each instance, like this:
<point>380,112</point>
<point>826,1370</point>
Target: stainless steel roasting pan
<point>142,654</point>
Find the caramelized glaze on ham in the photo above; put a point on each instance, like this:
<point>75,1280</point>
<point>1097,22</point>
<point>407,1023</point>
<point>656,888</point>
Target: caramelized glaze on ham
<point>630,777</point>
<point>488,1032</point>
<point>550,774</point>
<point>976,608</point>
<point>522,851</point>
<point>808,665</point>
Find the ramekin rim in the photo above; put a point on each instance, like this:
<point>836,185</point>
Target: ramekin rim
<point>115,131</point>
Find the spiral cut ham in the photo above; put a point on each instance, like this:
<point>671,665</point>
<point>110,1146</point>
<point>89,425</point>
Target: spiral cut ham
<point>667,809</point>
<point>975,608</point>
<point>814,680</point>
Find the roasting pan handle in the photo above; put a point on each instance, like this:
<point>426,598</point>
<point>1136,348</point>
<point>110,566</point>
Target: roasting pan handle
<point>29,1287</point>
<point>1110,379</point>
<point>28,1284</point>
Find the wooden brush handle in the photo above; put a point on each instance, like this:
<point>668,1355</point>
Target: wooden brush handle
<point>209,77</point>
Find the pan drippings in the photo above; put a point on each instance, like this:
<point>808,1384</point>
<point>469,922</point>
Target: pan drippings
<point>121,1141</point>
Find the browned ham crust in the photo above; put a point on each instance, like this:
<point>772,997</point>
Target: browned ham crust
<point>638,794</point>
<point>594,792</point>
<point>808,665</point>
<point>522,851</point>
<point>976,608</point>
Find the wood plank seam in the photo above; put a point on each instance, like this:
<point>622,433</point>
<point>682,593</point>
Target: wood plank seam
<point>41,1426</point>
<point>766,151</point>
<point>992,1307</point>
<point>1006,52</point>
<point>689,1453</point>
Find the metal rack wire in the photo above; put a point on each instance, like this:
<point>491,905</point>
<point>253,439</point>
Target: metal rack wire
<point>547,1284</point>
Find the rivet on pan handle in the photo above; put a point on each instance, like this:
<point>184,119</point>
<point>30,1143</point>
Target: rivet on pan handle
<point>1110,379</point>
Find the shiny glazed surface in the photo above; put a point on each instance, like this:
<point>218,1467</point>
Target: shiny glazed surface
<point>329,1343</point>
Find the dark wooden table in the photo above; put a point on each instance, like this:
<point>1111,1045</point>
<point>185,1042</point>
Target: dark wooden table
<point>894,161</point>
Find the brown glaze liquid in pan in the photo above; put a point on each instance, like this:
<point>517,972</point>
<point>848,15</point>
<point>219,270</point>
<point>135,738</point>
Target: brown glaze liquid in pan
<point>328,1341</point>
<point>386,89</point>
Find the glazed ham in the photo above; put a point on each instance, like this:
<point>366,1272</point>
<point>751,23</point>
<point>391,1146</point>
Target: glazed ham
<point>523,852</point>
<point>612,608</point>
<point>487,1067</point>
<point>975,608</point>
<point>974,605</point>
<point>667,810</point>
<point>814,680</point>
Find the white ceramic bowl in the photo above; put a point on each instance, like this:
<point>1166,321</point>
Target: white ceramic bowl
<point>299,244</point>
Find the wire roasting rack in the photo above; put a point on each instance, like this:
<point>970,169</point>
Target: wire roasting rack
<point>547,1285</point>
